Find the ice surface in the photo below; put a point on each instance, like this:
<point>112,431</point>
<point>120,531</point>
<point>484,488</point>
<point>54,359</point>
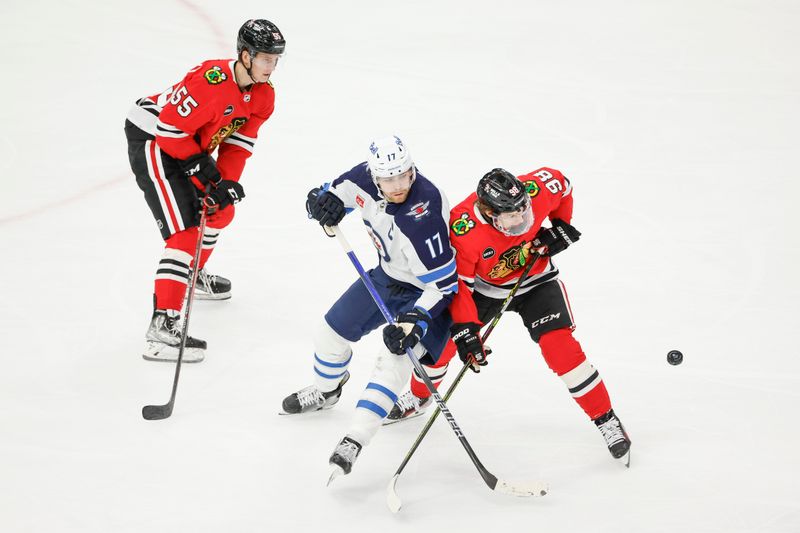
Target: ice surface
<point>677,124</point>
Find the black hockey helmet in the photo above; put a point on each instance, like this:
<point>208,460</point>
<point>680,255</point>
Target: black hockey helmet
<point>260,35</point>
<point>500,191</point>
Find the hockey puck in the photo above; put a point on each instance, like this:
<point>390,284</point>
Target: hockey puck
<point>674,357</point>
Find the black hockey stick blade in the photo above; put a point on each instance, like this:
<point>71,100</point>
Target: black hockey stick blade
<point>157,412</point>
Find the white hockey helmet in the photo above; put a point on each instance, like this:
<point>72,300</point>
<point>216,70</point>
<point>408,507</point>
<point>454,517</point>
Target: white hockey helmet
<point>388,157</point>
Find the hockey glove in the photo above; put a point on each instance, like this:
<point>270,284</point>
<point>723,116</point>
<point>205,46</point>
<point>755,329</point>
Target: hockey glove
<point>225,193</point>
<point>406,332</point>
<point>201,169</point>
<point>471,351</point>
<point>325,207</point>
<point>557,238</point>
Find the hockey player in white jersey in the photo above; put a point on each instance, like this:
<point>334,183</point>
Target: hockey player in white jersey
<point>406,216</point>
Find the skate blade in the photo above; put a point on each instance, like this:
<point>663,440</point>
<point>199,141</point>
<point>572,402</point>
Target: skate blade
<point>212,296</point>
<point>158,353</point>
<point>626,459</point>
<point>336,471</point>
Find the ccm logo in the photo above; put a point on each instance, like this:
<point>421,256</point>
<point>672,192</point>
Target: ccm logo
<point>544,319</point>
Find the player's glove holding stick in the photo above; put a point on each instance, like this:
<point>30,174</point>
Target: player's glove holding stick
<point>466,336</point>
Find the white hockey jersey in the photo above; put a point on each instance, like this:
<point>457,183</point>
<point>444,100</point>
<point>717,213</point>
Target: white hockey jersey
<point>412,238</point>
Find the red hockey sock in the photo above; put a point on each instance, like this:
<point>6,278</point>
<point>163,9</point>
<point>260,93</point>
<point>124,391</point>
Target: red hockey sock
<point>565,357</point>
<point>172,275</point>
<point>435,372</point>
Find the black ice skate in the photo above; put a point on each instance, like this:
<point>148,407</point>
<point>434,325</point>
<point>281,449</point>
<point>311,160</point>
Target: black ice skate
<point>312,399</point>
<point>211,287</point>
<point>616,438</point>
<point>343,457</point>
<point>163,340</point>
<point>407,406</point>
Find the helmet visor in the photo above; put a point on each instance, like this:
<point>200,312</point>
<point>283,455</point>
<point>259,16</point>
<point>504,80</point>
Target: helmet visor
<point>514,223</point>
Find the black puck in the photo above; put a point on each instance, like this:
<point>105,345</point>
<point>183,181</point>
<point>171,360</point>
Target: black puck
<point>674,357</point>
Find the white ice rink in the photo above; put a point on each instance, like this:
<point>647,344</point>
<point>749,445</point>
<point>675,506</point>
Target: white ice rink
<point>677,123</point>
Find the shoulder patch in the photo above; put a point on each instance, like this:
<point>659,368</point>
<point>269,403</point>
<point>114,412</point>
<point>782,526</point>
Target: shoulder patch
<point>419,211</point>
<point>462,224</point>
<point>532,188</point>
<point>215,76</point>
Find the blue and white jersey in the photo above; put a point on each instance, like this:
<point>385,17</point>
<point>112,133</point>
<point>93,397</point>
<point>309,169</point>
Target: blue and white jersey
<point>412,238</point>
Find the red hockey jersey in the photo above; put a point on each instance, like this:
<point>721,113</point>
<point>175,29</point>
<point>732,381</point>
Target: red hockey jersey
<point>205,111</point>
<point>490,262</point>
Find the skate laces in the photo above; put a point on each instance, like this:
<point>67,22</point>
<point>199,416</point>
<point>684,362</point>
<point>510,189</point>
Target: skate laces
<point>348,450</point>
<point>612,430</point>
<point>408,402</point>
<point>310,396</point>
<point>206,279</point>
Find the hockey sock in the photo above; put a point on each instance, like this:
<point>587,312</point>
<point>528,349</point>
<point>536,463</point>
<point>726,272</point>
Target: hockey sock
<point>565,357</point>
<point>418,387</point>
<point>173,273</point>
<point>210,237</point>
<point>377,400</point>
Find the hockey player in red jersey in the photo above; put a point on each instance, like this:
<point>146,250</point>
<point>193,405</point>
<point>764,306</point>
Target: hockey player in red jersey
<point>495,232</point>
<point>219,105</point>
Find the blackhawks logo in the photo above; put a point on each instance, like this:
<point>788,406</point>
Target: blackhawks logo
<point>215,76</point>
<point>225,132</point>
<point>462,224</point>
<point>532,188</point>
<point>513,259</point>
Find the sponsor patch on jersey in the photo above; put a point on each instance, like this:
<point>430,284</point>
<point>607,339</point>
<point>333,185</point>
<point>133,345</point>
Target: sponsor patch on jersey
<point>419,211</point>
<point>215,76</point>
<point>228,111</point>
<point>246,97</point>
<point>359,201</point>
<point>487,253</point>
<point>532,188</point>
<point>462,224</point>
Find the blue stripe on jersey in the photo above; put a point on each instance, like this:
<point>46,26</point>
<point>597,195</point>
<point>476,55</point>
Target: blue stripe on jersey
<point>374,407</point>
<point>380,388</point>
<point>333,365</point>
<point>439,273</point>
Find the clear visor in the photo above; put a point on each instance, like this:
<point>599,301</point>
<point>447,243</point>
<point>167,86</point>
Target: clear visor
<point>265,60</point>
<point>514,223</point>
<point>398,183</point>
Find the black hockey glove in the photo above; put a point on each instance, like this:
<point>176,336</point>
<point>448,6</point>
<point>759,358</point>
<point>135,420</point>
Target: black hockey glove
<point>325,207</point>
<point>225,193</point>
<point>406,332</point>
<point>471,350</point>
<point>201,169</point>
<point>557,238</point>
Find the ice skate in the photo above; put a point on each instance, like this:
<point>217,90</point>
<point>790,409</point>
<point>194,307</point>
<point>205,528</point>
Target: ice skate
<point>312,399</point>
<point>212,287</point>
<point>343,457</point>
<point>408,406</point>
<point>619,445</point>
<point>163,340</point>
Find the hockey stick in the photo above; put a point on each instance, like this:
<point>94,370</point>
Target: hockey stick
<point>160,412</point>
<point>392,498</point>
<point>492,481</point>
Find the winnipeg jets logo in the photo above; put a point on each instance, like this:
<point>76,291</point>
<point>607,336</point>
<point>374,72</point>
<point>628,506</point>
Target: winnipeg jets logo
<point>419,211</point>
